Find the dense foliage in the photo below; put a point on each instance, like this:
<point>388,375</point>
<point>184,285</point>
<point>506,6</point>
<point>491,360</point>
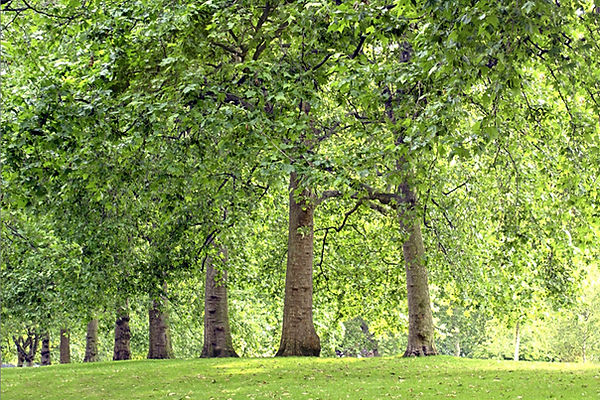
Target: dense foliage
<point>136,135</point>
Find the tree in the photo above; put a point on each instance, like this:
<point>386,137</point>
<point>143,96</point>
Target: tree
<point>217,333</point>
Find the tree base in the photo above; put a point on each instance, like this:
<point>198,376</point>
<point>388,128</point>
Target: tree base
<point>300,349</point>
<point>218,353</point>
<point>420,351</point>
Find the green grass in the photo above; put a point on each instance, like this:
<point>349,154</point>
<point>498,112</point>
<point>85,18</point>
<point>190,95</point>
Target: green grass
<point>305,378</point>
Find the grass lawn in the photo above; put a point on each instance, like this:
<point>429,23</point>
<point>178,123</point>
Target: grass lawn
<point>305,378</point>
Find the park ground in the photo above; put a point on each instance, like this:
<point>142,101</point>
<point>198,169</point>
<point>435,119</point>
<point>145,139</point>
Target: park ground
<point>305,378</point>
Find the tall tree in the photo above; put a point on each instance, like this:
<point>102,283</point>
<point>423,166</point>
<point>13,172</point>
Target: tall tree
<point>298,337</point>
<point>122,349</point>
<point>91,341</point>
<point>159,338</point>
<point>65,346</point>
<point>217,333</point>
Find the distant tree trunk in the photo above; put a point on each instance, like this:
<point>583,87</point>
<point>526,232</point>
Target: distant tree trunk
<point>26,348</point>
<point>298,336</point>
<point>122,350</point>
<point>65,346</point>
<point>369,336</point>
<point>45,353</point>
<point>159,333</point>
<point>217,333</point>
<point>517,341</point>
<point>91,342</point>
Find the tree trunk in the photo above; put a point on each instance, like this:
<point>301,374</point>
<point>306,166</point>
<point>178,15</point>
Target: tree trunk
<point>91,342</point>
<point>298,336</point>
<point>26,348</point>
<point>122,337</point>
<point>217,333</point>
<point>159,333</point>
<point>65,346</point>
<point>517,342</point>
<point>373,351</point>
<point>457,347</point>
<point>45,353</point>
<point>420,318</point>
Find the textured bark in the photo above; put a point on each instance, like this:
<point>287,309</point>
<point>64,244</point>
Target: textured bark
<point>91,342</point>
<point>159,333</point>
<point>45,353</point>
<point>65,346</point>
<point>420,318</point>
<point>217,333</point>
<point>298,336</point>
<point>122,350</point>
<point>26,348</point>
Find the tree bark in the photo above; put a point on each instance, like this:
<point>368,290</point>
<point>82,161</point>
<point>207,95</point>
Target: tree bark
<point>91,342</point>
<point>45,352</point>
<point>298,336</point>
<point>159,333</point>
<point>65,346</point>
<point>26,348</point>
<point>217,333</point>
<point>420,318</point>
<point>517,342</point>
<point>122,349</point>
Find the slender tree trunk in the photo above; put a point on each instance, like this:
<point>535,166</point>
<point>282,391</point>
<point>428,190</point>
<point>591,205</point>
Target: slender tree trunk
<point>373,351</point>
<point>217,333</point>
<point>420,318</point>
<point>65,346</point>
<point>26,348</point>
<point>45,353</point>
<point>122,350</point>
<point>159,333</point>
<point>91,342</point>
<point>517,342</point>
<point>298,336</point>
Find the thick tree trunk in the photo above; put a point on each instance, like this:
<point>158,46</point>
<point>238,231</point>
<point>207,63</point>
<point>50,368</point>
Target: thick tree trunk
<point>45,352</point>
<point>517,342</point>
<point>91,342</point>
<point>217,333</point>
<point>420,318</point>
<point>298,336</point>
<point>159,333</point>
<point>122,350</point>
<point>65,346</point>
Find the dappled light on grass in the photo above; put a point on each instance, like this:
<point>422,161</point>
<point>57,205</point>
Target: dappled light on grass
<point>307,378</point>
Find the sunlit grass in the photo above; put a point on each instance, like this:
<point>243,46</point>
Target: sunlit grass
<point>305,378</point>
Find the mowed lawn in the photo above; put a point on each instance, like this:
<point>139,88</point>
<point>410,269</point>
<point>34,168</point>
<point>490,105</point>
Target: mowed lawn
<point>305,378</point>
